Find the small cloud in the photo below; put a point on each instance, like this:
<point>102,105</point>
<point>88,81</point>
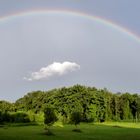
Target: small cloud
<point>54,69</point>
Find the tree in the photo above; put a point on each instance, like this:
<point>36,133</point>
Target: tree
<point>135,107</point>
<point>76,119</point>
<point>1,117</point>
<point>49,118</point>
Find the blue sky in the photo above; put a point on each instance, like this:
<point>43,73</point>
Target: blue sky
<point>44,51</point>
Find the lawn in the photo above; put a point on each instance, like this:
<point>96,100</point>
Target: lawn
<point>108,131</point>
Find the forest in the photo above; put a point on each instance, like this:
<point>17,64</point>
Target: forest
<point>95,105</point>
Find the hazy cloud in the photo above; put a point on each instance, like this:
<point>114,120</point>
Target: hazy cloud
<point>54,69</point>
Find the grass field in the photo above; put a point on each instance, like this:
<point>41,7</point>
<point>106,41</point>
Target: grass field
<point>107,131</point>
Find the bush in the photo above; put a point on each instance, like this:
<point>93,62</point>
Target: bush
<point>49,119</point>
<point>19,117</point>
<point>76,118</point>
<point>1,117</point>
<point>4,117</point>
<point>49,116</point>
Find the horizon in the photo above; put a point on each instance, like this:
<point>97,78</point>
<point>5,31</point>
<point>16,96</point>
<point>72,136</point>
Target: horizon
<point>70,86</point>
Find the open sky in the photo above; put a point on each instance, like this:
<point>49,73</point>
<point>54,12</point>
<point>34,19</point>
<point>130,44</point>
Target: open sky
<point>47,44</point>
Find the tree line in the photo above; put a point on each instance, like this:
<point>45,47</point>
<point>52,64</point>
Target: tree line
<point>94,104</point>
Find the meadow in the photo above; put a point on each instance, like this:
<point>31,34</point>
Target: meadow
<point>104,131</point>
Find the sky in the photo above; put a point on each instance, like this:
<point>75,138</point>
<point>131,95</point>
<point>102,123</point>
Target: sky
<point>88,42</point>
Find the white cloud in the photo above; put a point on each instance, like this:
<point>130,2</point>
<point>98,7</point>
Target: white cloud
<point>54,69</point>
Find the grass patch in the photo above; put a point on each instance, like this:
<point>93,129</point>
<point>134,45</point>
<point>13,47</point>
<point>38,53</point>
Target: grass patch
<point>122,124</point>
<point>48,132</point>
<point>77,130</point>
<point>1,125</point>
<point>117,126</point>
<point>89,132</point>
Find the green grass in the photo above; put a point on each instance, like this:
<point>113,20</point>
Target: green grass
<point>106,131</point>
<point>123,124</point>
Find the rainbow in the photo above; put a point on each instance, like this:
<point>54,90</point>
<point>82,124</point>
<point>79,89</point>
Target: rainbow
<point>97,19</point>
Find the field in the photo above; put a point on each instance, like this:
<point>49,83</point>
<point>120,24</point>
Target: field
<point>107,131</point>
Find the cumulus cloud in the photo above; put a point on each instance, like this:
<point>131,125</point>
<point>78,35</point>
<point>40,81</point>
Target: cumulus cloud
<point>54,69</point>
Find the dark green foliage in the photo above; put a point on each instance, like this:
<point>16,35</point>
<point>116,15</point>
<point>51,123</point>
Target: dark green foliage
<point>94,104</point>
<point>75,118</point>
<point>19,118</point>
<point>1,118</point>
<point>49,116</point>
<point>6,117</point>
<point>31,101</point>
<point>49,119</point>
<point>6,106</point>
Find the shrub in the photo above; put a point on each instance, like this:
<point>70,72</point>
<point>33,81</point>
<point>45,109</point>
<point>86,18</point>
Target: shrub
<point>19,117</point>
<point>49,119</point>
<point>76,118</point>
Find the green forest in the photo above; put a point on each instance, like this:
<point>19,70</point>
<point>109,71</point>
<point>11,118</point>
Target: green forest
<point>95,105</point>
